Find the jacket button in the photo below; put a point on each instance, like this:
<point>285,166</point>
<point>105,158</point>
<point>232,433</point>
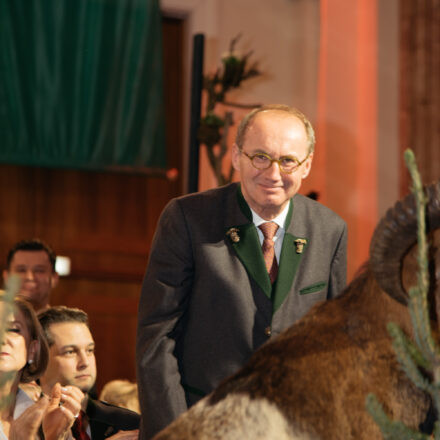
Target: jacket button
<point>268,331</point>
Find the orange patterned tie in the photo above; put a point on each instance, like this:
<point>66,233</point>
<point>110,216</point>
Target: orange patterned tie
<point>269,230</point>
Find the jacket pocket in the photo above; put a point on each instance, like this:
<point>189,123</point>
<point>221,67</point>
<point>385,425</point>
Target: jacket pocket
<point>313,288</point>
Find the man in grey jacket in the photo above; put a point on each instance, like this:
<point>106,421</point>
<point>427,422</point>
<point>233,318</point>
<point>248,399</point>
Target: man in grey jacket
<point>216,287</point>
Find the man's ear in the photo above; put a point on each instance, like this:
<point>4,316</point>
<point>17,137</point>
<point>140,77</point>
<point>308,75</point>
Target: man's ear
<point>5,276</point>
<point>54,280</point>
<point>307,166</point>
<point>235,156</point>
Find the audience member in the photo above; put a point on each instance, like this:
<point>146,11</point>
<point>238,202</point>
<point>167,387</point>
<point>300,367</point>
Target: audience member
<point>233,266</point>
<point>121,393</point>
<point>23,358</point>
<point>34,262</point>
<point>72,363</point>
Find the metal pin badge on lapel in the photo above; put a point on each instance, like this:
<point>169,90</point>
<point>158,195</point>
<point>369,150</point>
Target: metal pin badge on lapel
<point>299,243</point>
<point>233,235</point>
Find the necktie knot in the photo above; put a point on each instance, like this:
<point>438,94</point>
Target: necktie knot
<point>269,229</point>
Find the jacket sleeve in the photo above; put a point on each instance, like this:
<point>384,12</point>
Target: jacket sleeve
<point>165,292</point>
<point>338,269</point>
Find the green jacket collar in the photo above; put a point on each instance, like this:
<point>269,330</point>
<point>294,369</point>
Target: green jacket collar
<point>291,254</point>
<point>244,240</point>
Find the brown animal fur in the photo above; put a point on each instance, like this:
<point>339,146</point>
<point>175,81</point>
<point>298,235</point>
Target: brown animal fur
<point>236,418</point>
<point>320,370</point>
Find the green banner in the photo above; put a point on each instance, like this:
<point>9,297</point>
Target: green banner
<point>81,84</point>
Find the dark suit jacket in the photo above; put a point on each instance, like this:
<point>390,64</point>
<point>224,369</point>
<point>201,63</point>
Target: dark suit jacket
<point>106,420</point>
<point>207,302</point>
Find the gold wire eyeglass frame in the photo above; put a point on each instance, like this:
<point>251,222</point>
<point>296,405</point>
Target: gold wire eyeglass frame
<point>251,157</point>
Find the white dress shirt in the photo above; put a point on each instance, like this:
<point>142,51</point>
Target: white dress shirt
<point>279,236</point>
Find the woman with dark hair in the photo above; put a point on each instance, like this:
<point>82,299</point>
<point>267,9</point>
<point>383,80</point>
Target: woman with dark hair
<point>23,358</point>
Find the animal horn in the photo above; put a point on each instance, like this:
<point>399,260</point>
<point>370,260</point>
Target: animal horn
<point>395,234</point>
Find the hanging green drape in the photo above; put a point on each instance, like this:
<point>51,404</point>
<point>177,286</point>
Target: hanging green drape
<point>81,84</point>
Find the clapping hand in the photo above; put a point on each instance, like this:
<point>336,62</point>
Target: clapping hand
<point>64,407</point>
<point>26,426</point>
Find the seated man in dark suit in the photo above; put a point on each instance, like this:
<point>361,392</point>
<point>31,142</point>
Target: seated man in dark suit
<point>72,363</point>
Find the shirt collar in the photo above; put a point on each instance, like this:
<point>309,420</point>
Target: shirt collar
<point>280,219</point>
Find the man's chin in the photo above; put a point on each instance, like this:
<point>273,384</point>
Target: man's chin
<point>84,386</point>
<point>274,201</point>
<point>29,295</point>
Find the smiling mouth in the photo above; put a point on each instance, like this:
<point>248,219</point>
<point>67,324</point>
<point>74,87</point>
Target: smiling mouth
<point>28,289</point>
<point>270,188</point>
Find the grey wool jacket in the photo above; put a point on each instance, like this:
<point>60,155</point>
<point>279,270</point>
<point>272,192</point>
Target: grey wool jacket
<point>207,302</point>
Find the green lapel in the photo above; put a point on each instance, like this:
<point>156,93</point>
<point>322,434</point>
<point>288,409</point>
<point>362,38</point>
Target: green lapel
<point>249,251</point>
<point>290,258</point>
<point>247,246</point>
<point>289,262</point>
<point>245,241</point>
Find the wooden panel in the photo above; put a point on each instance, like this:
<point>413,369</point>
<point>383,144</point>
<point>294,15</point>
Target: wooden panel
<point>420,86</point>
<point>112,308</point>
<point>104,222</point>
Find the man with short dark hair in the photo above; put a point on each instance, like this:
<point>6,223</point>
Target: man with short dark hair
<point>231,267</point>
<point>34,262</point>
<point>72,363</point>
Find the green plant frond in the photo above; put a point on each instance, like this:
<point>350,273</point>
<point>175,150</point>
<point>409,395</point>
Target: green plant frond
<point>12,287</point>
<point>436,431</point>
<point>213,120</point>
<point>411,369</point>
<point>425,353</point>
<point>391,430</point>
<point>6,401</point>
<point>421,201</point>
<point>422,329</point>
<point>231,59</point>
<point>4,379</point>
<point>406,345</point>
<point>235,68</point>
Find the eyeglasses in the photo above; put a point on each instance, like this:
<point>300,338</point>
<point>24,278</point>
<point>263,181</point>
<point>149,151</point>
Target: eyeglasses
<point>262,161</point>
